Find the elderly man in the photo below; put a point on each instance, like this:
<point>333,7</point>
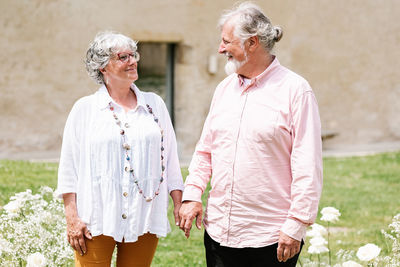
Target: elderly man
<point>261,142</point>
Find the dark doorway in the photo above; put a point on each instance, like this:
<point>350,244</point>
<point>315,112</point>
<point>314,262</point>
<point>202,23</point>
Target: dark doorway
<point>156,71</point>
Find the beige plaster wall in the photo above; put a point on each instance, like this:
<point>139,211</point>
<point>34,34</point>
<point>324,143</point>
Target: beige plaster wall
<point>348,50</point>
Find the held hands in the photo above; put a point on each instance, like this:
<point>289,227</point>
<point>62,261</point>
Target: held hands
<point>188,211</point>
<point>287,247</point>
<point>76,233</point>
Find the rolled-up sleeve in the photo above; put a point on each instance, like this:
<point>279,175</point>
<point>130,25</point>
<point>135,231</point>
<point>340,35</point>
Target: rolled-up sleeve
<point>306,162</point>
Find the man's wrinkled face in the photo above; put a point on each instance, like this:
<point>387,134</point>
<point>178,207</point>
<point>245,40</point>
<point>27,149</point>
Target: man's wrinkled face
<point>231,47</point>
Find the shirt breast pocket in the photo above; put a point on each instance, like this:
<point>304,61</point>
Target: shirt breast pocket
<point>259,123</point>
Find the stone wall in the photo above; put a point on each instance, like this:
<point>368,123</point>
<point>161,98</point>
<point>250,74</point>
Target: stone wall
<point>347,50</point>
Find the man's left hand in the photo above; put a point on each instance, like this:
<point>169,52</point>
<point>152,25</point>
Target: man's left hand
<point>287,247</point>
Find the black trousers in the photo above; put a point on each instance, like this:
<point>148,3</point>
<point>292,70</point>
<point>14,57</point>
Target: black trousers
<point>220,256</point>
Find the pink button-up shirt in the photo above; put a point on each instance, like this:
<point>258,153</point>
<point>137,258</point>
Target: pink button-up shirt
<point>261,143</point>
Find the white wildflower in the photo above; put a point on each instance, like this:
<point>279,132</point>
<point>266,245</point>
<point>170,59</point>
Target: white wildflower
<point>47,217</point>
<point>36,260</point>
<point>4,246</point>
<point>43,222</point>
<point>23,196</point>
<point>46,190</point>
<point>345,255</point>
<point>13,207</point>
<point>317,250</point>
<point>330,214</point>
<point>316,230</point>
<point>318,241</point>
<point>368,252</point>
<point>318,245</point>
<point>351,264</point>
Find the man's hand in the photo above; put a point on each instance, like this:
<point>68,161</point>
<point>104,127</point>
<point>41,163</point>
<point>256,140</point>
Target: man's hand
<point>188,211</point>
<point>287,247</point>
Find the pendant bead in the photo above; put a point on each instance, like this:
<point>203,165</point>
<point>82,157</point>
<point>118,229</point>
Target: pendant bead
<point>122,132</point>
<point>148,199</point>
<point>126,146</point>
<point>149,108</point>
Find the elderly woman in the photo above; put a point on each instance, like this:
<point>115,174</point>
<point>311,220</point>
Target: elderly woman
<point>118,162</point>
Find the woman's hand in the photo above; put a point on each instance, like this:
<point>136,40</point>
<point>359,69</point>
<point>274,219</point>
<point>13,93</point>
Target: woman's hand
<point>76,233</point>
<point>76,228</point>
<point>176,196</point>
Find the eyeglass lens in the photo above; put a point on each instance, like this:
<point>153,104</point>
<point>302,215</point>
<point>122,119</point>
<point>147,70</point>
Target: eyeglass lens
<point>124,57</point>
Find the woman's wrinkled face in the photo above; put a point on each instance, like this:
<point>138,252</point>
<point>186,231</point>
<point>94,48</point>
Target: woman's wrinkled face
<point>122,67</point>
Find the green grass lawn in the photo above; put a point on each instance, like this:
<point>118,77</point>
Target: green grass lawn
<point>364,189</point>
<point>17,176</point>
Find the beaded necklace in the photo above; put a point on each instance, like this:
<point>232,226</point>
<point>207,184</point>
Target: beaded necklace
<point>126,146</point>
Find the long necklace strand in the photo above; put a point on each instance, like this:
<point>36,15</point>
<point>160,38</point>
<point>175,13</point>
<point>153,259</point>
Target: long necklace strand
<point>126,146</point>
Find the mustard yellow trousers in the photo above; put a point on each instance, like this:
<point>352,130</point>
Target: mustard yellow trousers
<point>135,254</point>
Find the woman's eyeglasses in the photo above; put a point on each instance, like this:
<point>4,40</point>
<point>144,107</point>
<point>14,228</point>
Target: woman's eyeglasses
<point>124,57</point>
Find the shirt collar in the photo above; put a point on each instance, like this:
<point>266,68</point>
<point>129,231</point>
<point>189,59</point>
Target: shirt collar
<point>262,76</point>
<point>104,97</point>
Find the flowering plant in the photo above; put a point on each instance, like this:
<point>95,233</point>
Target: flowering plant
<point>393,236</point>
<point>351,264</point>
<point>317,245</point>
<point>367,254</point>
<point>330,214</point>
<point>33,231</point>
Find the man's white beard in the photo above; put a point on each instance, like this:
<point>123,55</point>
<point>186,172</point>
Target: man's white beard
<point>233,66</point>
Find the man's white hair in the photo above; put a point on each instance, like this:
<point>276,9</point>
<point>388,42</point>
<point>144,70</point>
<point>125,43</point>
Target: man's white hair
<point>249,20</point>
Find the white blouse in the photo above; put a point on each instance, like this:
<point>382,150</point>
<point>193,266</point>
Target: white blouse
<point>92,165</point>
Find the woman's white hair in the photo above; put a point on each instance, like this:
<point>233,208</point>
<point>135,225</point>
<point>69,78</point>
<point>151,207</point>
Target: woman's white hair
<point>103,47</point>
<point>249,20</point>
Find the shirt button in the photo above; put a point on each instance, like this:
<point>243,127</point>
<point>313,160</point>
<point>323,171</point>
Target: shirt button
<point>125,194</point>
<point>124,216</point>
